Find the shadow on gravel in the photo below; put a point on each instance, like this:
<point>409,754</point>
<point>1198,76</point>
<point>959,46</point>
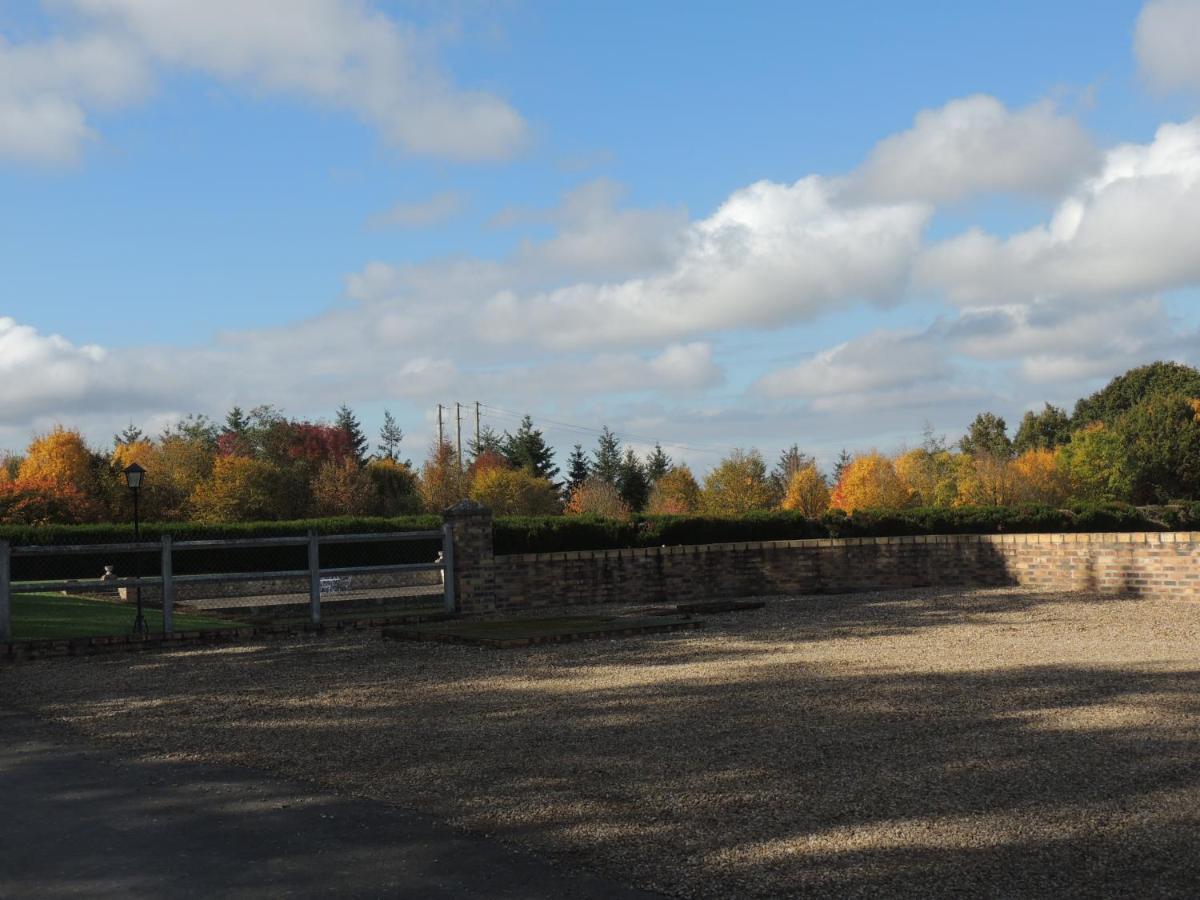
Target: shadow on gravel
<point>749,767</point>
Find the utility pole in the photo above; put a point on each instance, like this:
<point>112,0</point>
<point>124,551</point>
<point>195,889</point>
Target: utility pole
<point>458,430</point>
<point>441,439</point>
<point>477,447</point>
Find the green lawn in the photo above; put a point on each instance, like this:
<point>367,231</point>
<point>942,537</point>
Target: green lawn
<point>58,616</point>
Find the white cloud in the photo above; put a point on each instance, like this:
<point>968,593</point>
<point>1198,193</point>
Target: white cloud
<point>1131,230</point>
<point>337,53</point>
<point>441,207</point>
<point>46,89</point>
<point>1166,41</point>
<point>877,364</point>
<point>976,145</point>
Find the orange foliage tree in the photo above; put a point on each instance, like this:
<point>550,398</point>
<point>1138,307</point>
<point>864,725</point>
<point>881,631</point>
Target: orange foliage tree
<point>396,488</point>
<point>595,497</point>
<point>1037,478</point>
<point>240,489</point>
<point>807,492</point>
<point>674,494</point>
<point>62,458</point>
<point>343,488</point>
<point>870,481</point>
<point>443,481</point>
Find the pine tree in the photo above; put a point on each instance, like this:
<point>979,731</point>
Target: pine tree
<point>487,442</point>
<point>390,436</point>
<point>790,462</point>
<point>130,435</point>
<point>578,468</point>
<point>657,464</point>
<point>844,459</point>
<point>608,457</point>
<point>528,450</point>
<point>349,425</point>
<point>236,421</point>
<point>632,482</point>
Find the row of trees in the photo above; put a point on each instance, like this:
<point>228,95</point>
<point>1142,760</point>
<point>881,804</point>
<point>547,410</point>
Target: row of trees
<point>1137,440</point>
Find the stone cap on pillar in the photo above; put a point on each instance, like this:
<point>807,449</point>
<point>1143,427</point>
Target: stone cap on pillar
<point>465,509</point>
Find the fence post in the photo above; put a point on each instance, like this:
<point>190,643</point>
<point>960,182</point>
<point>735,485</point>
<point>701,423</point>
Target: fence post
<point>168,587</point>
<point>472,579</point>
<point>314,576</point>
<point>5,592</point>
<point>448,567</point>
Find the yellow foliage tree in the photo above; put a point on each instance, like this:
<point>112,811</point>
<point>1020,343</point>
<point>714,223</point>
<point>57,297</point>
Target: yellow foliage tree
<point>396,487</point>
<point>443,481</point>
<point>514,492</point>
<point>675,493</point>
<point>737,485</point>
<point>931,477</point>
<point>60,457</point>
<point>985,479</point>
<point>870,481</point>
<point>1037,478</point>
<point>807,493</point>
<point>240,489</point>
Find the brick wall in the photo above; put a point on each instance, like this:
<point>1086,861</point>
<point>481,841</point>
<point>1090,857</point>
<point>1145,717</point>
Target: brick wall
<point>1151,564</point>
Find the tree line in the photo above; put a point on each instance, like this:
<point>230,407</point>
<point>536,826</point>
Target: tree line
<point>1136,440</point>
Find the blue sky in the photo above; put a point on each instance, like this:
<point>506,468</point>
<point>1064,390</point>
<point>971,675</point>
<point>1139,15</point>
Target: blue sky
<point>199,209</point>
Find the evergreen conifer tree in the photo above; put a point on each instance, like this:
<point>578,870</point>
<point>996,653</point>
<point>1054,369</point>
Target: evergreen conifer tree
<point>632,482</point>
<point>608,457</point>
<point>390,436</point>
<point>657,464</point>
<point>578,468</point>
<point>528,450</point>
<point>488,441</point>
<point>131,434</point>
<point>349,425</point>
<point>844,459</point>
<point>236,421</point>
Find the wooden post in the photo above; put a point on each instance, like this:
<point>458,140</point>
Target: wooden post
<point>448,567</point>
<point>314,576</point>
<point>5,592</point>
<point>168,586</point>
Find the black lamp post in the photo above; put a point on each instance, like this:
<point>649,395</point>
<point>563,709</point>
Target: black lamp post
<point>134,475</point>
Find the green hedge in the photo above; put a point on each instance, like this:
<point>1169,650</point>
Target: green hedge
<point>556,534</point>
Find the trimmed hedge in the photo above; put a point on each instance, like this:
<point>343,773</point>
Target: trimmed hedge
<point>559,534</point>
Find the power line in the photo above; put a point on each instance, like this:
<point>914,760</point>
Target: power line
<point>598,431</point>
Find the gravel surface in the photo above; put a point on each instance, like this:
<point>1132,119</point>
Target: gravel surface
<point>915,743</point>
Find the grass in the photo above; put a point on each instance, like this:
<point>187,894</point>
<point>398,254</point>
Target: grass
<point>37,616</point>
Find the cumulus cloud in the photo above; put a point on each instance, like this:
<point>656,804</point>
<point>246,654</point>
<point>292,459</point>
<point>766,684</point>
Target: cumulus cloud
<point>878,364</point>
<point>441,207</point>
<point>1130,230</point>
<point>338,53</point>
<point>976,145</point>
<point>1165,41</point>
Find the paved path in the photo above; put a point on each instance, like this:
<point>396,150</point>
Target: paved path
<point>81,822</point>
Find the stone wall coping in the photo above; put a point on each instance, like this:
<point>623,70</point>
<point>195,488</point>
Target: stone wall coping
<point>1128,537</point>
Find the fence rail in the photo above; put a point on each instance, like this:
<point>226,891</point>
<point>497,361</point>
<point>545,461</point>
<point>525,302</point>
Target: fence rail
<point>166,580</point>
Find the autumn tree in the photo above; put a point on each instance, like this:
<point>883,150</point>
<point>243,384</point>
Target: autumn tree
<point>343,488</point>
<point>870,481</point>
<point>43,501</point>
<point>675,494</point>
<point>443,481</point>
<point>931,475</point>
<point>791,461</point>
<point>737,485</point>
<point>1037,478</point>
<point>240,489</point>
<point>807,492</point>
<point>597,498</point>
<point>985,480</point>
<point>60,457</point>
<point>515,492</point>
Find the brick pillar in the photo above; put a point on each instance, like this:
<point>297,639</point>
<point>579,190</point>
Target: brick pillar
<point>474,581</point>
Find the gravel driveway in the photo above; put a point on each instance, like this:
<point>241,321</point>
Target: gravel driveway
<point>921,743</point>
